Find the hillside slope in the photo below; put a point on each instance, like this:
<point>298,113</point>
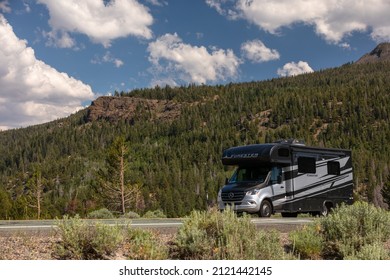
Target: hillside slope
<point>176,137</point>
<point>380,54</point>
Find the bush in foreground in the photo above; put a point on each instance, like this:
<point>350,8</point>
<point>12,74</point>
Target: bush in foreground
<point>82,241</point>
<point>358,231</point>
<point>350,229</point>
<point>145,245</point>
<point>307,243</point>
<point>216,235</point>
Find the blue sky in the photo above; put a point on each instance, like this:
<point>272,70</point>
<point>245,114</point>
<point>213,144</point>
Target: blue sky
<point>58,55</point>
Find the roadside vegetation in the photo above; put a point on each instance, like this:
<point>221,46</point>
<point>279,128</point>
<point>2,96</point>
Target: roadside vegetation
<point>216,235</point>
<point>360,231</point>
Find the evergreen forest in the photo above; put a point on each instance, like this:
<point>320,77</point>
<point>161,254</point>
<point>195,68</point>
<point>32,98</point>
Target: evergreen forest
<point>76,165</point>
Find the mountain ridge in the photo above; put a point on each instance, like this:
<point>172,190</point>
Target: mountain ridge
<point>379,54</point>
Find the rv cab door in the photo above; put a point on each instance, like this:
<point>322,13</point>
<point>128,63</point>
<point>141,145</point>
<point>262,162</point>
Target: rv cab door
<point>278,186</point>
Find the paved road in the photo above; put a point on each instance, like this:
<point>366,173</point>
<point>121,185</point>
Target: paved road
<point>162,225</point>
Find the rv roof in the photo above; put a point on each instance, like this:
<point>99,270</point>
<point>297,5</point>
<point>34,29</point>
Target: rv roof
<point>271,152</point>
<point>256,152</point>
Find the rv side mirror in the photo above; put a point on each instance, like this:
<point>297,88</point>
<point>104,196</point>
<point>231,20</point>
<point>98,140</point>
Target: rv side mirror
<point>226,181</point>
<point>279,179</point>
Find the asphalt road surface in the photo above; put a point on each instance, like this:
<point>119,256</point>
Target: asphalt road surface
<point>161,225</point>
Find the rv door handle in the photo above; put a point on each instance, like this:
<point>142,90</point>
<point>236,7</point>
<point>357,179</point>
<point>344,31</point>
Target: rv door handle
<point>282,187</point>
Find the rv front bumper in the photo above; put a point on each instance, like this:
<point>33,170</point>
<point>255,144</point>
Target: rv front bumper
<point>248,204</point>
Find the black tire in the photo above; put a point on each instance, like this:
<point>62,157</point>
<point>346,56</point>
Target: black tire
<point>265,209</point>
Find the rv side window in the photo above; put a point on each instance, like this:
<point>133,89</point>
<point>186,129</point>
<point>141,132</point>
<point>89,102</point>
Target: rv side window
<point>307,165</point>
<point>333,168</point>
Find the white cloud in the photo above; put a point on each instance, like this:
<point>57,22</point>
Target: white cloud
<point>191,64</point>
<point>108,58</point>
<point>293,69</point>
<point>224,7</point>
<point>27,8</point>
<point>59,39</point>
<point>101,23</point>
<point>157,3</point>
<point>331,19</point>
<point>4,6</point>
<point>31,91</point>
<point>257,52</point>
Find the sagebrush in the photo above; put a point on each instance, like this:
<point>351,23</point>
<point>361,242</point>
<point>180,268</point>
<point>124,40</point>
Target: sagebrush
<point>359,231</point>
<point>80,240</point>
<point>216,235</point>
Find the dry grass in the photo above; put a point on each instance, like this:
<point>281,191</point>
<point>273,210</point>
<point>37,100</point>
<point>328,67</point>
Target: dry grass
<point>41,247</point>
<point>23,247</point>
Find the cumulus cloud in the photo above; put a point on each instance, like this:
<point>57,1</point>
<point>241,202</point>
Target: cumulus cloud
<point>331,19</point>
<point>191,64</point>
<point>257,52</point>
<point>101,22</point>
<point>31,91</point>
<point>293,69</point>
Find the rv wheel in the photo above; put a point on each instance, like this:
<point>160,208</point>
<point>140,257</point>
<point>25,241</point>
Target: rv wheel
<point>265,209</point>
<point>324,211</point>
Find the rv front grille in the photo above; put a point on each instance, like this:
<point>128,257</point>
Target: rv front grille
<point>232,196</point>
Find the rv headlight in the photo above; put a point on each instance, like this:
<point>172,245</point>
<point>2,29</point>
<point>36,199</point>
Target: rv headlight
<point>253,192</point>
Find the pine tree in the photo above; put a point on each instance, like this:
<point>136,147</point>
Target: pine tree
<point>35,195</point>
<point>386,191</point>
<point>118,193</point>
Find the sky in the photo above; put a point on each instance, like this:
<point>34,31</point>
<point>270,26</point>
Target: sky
<point>56,56</point>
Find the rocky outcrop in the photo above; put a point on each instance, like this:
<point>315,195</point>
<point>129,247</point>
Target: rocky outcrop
<point>115,109</point>
<point>380,53</point>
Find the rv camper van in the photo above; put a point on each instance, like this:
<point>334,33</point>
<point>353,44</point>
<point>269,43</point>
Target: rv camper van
<point>286,177</point>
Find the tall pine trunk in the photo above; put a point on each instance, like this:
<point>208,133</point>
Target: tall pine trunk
<point>122,178</point>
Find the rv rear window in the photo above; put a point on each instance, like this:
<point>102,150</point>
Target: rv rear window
<point>333,168</point>
<point>307,165</point>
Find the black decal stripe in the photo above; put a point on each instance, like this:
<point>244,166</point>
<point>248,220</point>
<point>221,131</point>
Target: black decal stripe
<point>331,181</point>
<point>318,193</point>
<point>318,184</point>
<point>342,186</point>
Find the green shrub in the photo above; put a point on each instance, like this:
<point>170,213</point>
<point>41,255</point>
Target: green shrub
<point>103,213</point>
<point>216,235</point>
<point>131,215</point>
<point>375,251</point>
<point>307,243</point>
<point>156,214</point>
<point>145,245</point>
<point>348,229</point>
<point>82,241</point>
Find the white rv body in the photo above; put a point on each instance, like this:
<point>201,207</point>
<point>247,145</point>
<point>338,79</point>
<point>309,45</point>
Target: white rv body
<point>288,178</point>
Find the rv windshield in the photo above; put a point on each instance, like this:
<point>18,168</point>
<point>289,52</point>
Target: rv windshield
<point>250,174</point>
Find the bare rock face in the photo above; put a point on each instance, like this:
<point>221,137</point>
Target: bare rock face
<point>114,109</point>
<point>379,54</point>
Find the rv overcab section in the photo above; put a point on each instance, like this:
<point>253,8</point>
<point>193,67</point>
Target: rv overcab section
<point>287,178</point>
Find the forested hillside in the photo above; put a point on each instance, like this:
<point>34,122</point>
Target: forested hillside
<point>171,140</point>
